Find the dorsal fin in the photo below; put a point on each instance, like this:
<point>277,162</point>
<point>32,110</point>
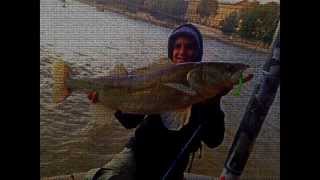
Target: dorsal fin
<point>159,64</point>
<point>118,70</point>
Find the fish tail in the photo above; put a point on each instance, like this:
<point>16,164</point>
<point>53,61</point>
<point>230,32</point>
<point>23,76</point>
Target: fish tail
<point>61,73</point>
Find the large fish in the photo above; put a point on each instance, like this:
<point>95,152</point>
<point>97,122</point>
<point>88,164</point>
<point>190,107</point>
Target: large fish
<point>159,87</point>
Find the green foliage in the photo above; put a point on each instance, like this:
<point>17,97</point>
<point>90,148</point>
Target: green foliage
<point>230,24</point>
<point>259,22</point>
<point>207,8</point>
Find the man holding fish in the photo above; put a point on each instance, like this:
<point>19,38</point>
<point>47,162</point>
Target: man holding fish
<point>166,103</point>
<point>160,137</point>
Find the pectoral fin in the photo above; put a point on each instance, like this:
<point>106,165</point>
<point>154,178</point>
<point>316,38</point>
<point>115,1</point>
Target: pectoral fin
<point>183,88</point>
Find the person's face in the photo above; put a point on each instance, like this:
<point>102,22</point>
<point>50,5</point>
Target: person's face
<point>184,50</point>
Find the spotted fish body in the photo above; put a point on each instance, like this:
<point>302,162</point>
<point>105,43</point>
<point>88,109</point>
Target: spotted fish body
<point>159,87</point>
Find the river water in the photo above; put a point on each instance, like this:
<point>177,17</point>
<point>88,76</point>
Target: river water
<point>77,136</point>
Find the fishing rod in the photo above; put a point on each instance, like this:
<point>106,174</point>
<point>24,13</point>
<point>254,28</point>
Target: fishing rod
<point>194,135</point>
<point>164,177</point>
<point>255,114</point>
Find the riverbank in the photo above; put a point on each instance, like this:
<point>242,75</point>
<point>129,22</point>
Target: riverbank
<point>207,32</point>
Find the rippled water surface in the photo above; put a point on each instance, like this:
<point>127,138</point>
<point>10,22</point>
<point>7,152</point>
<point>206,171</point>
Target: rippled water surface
<point>77,136</point>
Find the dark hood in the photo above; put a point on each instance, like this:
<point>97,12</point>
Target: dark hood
<point>190,31</point>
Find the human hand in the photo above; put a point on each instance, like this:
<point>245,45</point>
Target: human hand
<point>226,89</point>
<point>93,97</point>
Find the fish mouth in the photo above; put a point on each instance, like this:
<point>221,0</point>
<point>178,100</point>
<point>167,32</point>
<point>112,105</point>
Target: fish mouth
<point>247,77</point>
<point>244,74</point>
<point>247,73</point>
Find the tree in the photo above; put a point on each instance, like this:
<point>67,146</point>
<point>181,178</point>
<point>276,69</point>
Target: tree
<point>230,23</point>
<point>207,8</point>
<point>259,23</point>
<point>269,21</point>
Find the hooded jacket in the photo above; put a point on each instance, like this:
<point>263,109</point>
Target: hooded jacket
<point>188,30</point>
<point>155,146</point>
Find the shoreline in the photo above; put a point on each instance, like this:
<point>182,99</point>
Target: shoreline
<point>208,32</point>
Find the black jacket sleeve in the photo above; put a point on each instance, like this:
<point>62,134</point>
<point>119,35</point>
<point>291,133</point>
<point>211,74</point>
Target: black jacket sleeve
<point>210,113</point>
<point>128,120</point>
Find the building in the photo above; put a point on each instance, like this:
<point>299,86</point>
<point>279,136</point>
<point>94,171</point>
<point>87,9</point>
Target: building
<point>192,12</point>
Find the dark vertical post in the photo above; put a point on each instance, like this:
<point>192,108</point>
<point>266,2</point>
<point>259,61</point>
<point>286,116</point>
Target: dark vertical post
<point>255,114</point>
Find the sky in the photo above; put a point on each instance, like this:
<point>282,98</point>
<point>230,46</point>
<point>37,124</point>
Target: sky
<point>261,1</point>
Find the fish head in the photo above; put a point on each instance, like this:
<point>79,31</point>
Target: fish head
<point>213,76</point>
<point>233,71</point>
